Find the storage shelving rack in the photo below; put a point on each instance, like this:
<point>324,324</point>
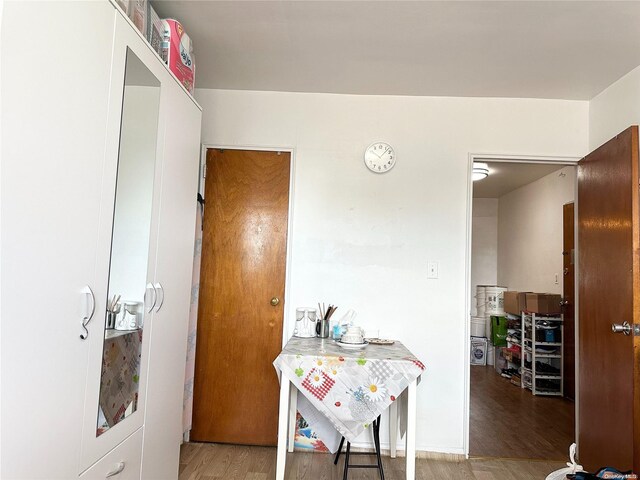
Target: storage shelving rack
<point>512,344</point>
<point>544,375</point>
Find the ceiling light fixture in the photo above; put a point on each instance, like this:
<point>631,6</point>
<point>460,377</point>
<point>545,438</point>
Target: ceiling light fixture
<point>480,171</point>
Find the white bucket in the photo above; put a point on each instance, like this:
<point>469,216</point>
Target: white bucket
<point>478,326</point>
<point>487,326</point>
<point>495,300</point>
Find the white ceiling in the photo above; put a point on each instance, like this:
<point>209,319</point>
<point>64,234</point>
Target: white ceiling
<point>507,177</point>
<point>538,49</point>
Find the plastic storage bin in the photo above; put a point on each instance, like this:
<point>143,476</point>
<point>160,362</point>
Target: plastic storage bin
<point>478,351</point>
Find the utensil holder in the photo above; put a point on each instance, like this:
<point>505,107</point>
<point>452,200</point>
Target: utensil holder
<point>322,328</point>
<point>111,320</point>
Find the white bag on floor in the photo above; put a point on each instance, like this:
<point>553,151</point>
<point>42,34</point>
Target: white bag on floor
<point>572,466</point>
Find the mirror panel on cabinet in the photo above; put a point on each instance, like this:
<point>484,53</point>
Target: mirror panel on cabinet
<point>128,292</point>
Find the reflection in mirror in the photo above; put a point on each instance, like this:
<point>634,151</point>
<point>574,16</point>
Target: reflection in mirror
<point>120,379</point>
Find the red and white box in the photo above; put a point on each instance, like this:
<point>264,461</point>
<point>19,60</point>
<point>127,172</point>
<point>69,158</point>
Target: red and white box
<point>177,51</point>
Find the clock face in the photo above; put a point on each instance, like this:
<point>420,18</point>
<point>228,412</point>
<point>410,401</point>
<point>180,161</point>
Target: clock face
<point>379,157</point>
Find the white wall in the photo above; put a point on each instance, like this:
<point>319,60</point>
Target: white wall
<point>484,246</point>
<point>362,240</point>
<point>615,109</point>
<point>530,233</point>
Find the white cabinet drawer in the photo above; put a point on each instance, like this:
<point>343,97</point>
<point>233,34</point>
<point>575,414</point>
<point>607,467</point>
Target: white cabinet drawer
<point>121,463</point>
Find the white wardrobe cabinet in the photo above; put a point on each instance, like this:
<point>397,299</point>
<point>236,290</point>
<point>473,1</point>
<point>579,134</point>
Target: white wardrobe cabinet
<point>100,149</point>
<point>174,263</point>
<point>121,463</point>
<point>54,115</point>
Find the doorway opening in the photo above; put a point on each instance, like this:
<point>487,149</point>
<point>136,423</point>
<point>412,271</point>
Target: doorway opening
<point>522,380</point>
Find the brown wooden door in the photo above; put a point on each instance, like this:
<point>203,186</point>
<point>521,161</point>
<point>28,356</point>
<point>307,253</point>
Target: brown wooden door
<point>243,269</point>
<point>568,309</point>
<point>608,396</point>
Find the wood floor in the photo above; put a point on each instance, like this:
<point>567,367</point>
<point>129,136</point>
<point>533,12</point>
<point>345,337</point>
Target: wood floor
<point>209,461</point>
<point>507,421</point>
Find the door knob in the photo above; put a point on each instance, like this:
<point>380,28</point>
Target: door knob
<point>624,328</point>
<point>275,301</point>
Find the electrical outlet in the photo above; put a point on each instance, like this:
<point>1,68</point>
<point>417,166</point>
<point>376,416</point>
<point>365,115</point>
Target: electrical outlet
<point>432,269</point>
<point>557,279</point>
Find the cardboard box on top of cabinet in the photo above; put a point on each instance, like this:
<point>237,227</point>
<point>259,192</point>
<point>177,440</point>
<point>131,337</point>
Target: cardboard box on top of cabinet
<point>138,15</point>
<point>543,303</point>
<point>515,302</point>
<point>177,51</point>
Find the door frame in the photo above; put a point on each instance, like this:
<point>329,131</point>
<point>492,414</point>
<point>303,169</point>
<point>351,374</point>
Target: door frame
<point>503,158</point>
<point>286,319</point>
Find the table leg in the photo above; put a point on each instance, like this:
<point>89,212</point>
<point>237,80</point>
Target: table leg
<point>411,430</point>
<point>393,428</point>
<point>293,409</point>
<point>283,420</point>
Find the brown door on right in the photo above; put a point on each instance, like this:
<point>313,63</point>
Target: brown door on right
<point>568,304</point>
<point>241,298</point>
<point>608,292</point>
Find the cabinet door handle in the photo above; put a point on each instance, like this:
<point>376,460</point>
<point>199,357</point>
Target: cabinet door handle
<point>88,310</point>
<point>159,288</point>
<point>155,296</point>
<point>119,468</point>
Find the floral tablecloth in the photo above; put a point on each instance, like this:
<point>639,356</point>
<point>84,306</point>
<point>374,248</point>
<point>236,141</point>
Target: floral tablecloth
<point>349,387</point>
<point>119,382</point>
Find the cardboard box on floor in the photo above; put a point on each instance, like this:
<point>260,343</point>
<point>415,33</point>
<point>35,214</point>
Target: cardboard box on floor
<point>515,302</point>
<point>543,303</point>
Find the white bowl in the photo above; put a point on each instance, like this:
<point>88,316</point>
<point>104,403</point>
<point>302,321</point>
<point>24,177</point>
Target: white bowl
<point>352,338</point>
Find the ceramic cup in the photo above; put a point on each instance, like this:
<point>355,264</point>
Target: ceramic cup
<point>352,335</point>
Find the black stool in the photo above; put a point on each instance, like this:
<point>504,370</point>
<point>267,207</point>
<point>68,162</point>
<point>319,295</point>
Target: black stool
<point>376,441</point>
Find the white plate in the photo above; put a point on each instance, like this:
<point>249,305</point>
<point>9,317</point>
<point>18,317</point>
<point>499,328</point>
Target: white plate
<point>353,346</point>
<point>380,341</point>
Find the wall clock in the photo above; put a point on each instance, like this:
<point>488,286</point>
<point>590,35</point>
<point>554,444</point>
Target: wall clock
<point>379,157</point>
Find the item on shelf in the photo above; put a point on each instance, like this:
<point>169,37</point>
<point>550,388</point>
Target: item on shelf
<point>547,368</point>
<point>155,30</point>
<point>509,372</point>
<point>478,351</point>
<point>543,303</point>
<point>499,330</point>
<point>512,354</point>
<point>515,302</point>
<point>514,337</point>
<point>548,334</point>
<point>177,52</point>
<point>138,15</point>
